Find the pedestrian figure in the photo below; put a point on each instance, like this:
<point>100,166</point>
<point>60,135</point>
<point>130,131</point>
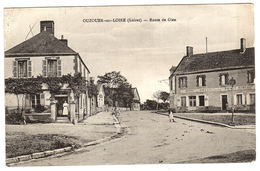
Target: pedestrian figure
<point>171,116</point>
<point>65,108</point>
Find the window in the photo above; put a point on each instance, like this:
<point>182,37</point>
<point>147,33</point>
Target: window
<point>182,82</point>
<point>201,80</point>
<point>170,84</point>
<point>252,99</point>
<point>35,100</point>
<point>201,101</point>
<point>223,79</point>
<point>250,76</point>
<point>192,100</point>
<point>52,68</point>
<point>183,101</point>
<point>239,99</point>
<point>22,68</point>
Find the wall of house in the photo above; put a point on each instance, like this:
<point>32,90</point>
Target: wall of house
<point>213,91</point>
<point>37,67</point>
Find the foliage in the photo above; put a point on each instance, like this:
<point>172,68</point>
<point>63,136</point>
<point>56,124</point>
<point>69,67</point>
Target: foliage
<point>113,80</point>
<point>150,105</point>
<point>117,89</point>
<point>164,96</point>
<point>92,89</point>
<point>34,85</point>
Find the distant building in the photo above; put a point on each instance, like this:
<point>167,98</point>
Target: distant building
<point>200,82</point>
<point>100,96</point>
<point>48,56</point>
<point>136,100</point>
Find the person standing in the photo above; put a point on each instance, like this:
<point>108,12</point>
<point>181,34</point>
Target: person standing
<point>65,108</point>
<point>171,116</point>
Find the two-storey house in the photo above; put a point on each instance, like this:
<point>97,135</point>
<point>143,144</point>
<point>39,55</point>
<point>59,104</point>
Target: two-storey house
<point>201,82</point>
<point>48,56</point>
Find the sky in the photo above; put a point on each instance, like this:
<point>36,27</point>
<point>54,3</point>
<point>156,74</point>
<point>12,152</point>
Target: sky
<point>142,51</point>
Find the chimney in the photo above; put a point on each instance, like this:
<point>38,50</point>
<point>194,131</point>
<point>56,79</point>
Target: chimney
<point>65,41</point>
<point>242,45</point>
<point>189,50</point>
<point>47,26</point>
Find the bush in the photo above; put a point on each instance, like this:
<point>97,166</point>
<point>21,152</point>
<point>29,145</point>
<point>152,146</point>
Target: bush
<point>39,108</point>
<point>14,118</point>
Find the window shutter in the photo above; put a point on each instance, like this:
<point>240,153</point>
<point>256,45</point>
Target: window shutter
<point>15,68</point>
<point>59,68</point>
<point>187,101</point>
<point>197,79</point>
<point>206,100</point>
<point>235,99</point>
<point>248,102</point>
<point>204,80</point>
<point>243,99</point>
<point>220,79</point>
<point>226,79</point>
<point>44,68</point>
<point>29,65</point>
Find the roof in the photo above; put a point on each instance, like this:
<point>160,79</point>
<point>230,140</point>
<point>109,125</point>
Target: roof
<point>212,61</point>
<point>43,43</point>
<point>136,94</point>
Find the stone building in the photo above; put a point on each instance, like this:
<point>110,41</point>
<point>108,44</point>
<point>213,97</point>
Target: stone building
<point>201,82</point>
<point>136,100</point>
<point>48,56</point>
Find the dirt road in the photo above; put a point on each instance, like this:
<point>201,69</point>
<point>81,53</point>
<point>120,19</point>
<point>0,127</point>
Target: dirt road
<point>153,139</point>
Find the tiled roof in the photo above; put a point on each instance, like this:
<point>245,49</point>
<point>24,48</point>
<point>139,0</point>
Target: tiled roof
<point>216,61</point>
<point>43,43</point>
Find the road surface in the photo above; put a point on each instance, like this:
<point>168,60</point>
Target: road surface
<point>153,139</point>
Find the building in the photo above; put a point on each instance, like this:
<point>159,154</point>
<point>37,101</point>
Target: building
<point>201,82</point>
<point>100,96</point>
<point>48,56</point>
<point>136,100</point>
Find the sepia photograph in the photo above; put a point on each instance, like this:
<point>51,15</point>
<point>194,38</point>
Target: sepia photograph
<point>129,84</point>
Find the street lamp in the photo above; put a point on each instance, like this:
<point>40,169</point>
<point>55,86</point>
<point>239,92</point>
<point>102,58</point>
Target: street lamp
<point>232,82</point>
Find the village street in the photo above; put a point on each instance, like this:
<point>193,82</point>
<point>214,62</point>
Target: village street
<point>151,139</point>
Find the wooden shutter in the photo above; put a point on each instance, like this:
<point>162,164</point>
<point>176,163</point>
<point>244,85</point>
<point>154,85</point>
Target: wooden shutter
<point>197,79</point>
<point>44,68</point>
<point>29,65</point>
<point>15,68</point>
<point>206,100</point>
<point>59,68</point>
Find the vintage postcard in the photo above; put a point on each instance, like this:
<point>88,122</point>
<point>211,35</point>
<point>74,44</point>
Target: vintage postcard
<point>148,84</point>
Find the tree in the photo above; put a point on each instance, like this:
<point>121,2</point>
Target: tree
<point>157,96</point>
<point>164,96</point>
<point>117,89</point>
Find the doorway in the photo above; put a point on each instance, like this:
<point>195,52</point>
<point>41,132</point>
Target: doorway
<point>224,102</point>
<point>59,105</point>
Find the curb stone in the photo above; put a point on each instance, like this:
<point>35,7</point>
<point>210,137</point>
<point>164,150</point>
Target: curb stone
<point>14,160</point>
<point>207,122</point>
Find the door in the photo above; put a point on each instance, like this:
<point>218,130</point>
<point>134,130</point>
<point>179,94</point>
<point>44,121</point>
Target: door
<point>224,102</point>
<point>60,101</point>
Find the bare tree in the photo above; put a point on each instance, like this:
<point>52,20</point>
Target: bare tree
<point>157,96</point>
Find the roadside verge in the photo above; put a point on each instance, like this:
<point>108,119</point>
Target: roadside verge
<point>120,131</point>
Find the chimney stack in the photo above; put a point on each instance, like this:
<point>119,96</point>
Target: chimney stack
<point>47,26</point>
<point>242,45</point>
<point>65,41</point>
<point>189,50</point>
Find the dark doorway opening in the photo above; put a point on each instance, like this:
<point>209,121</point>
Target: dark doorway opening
<point>224,102</point>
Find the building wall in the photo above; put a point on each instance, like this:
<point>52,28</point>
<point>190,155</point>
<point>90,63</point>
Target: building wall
<point>213,91</point>
<point>37,67</point>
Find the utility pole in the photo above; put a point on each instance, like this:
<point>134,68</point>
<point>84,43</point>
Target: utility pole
<point>232,82</point>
